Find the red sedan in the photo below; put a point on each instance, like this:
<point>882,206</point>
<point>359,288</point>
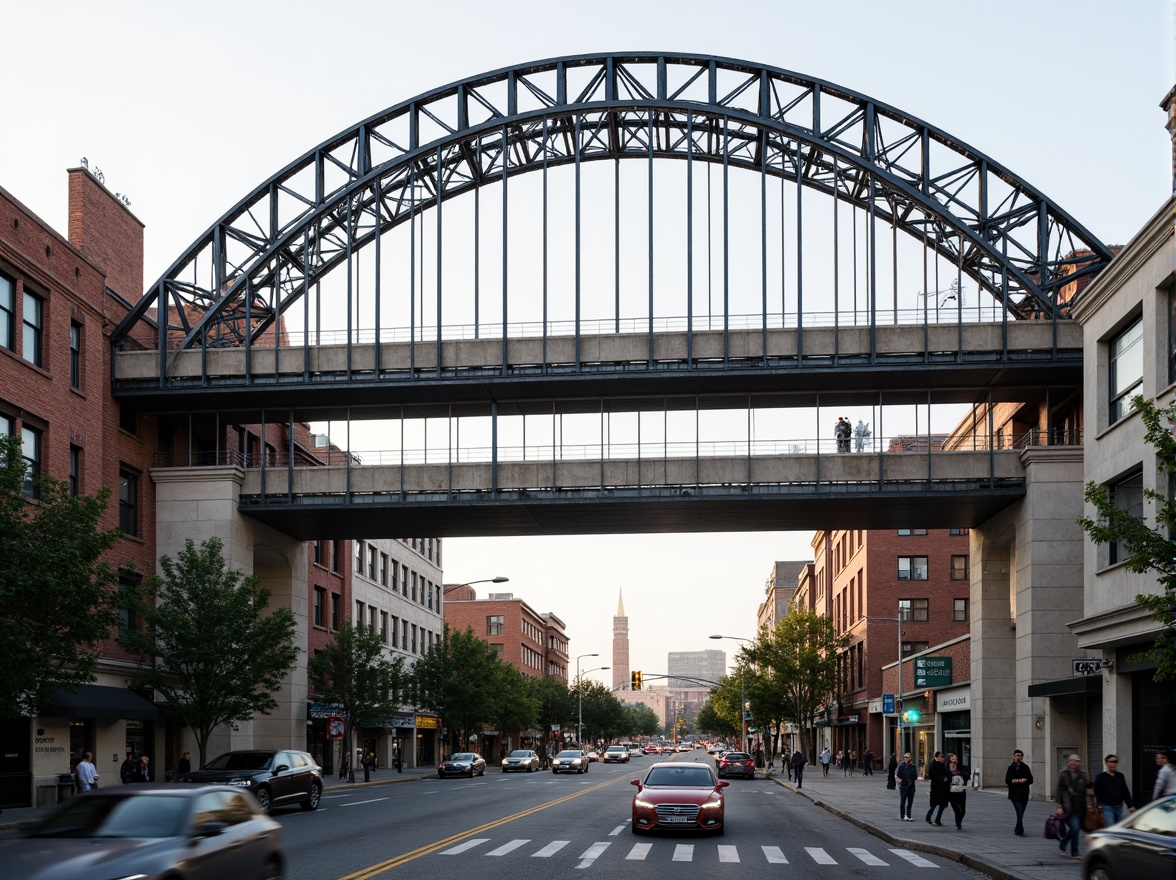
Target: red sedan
<point>737,764</point>
<point>679,797</point>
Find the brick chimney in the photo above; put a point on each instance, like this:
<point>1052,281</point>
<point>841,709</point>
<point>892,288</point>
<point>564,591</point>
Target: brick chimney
<point>106,231</point>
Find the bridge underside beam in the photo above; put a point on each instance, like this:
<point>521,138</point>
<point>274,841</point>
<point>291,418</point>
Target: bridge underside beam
<point>595,512</point>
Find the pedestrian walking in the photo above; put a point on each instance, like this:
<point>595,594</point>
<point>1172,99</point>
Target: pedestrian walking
<point>1111,792</point>
<point>906,773</point>
<point>825,759</point>
<point>843,760</point>
<point>345,767</point>
<point>798,762</point>
<point>957,792</point>
<point>891,767</point>
<point>868,762</point>
<point>369,764</point>
<point>1166,778</point>
<point>143,771</point>
<point>852,761</point>
<point>936,773</point>
<point>398,761</point>
<point>1071,799</point>
<point>127,771</point>
<point>86,772</point>
<point>1018,778</point>
<point>184,766</point>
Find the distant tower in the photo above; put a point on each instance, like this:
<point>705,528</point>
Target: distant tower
<point>620,658</point>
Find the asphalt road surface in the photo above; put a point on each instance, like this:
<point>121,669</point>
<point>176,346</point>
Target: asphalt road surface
<point>533,826</point>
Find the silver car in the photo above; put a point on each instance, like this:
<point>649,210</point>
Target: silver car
<point>521,760</point>
<point>570,761</point>
<point>149,831</point>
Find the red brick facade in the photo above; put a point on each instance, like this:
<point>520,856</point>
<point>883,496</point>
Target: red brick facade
<point>534,643</point>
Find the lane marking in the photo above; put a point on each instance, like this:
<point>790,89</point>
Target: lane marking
<point>639,852</point>
<point>591,854</point>
<point>376,800</point>
<point>463,847</point>
<point>914,858</point>
<point>616,831</point>
<point>866,856</point>
<point>509,847</point>
<point>820,856</point>
<point>774,855</point>
<point>550,850</point>
<point>728,853</point>
<point>683,852</point>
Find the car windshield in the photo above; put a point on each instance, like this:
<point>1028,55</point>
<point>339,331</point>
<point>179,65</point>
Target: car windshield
<point>462,756</point>
<point>242,761</point>
<point>520,753</point>
<point>616,749</point>
<point>1157,819</point>
<point>568,756</point>
<point>736,756</point>
<point>693,777</point>
<point>117,816</point>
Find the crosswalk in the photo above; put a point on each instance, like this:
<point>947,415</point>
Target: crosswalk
<point>799,856</point>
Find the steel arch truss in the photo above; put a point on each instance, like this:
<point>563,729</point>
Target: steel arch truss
<point>311,216</point>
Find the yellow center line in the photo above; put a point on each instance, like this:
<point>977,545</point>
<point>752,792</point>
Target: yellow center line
<point>428,848</point>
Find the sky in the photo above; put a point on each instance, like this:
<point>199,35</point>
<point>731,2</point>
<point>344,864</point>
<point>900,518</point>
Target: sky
<point>185,107</point>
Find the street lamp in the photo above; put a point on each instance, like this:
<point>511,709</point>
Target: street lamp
<point>580,697</point>
<point>742,695</point>
<point>898,693</point>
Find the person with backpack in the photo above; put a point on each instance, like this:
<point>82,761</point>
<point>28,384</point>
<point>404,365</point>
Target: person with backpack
<point>798,761</point>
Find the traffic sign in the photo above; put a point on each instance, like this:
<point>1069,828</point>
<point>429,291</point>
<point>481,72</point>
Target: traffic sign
<point>932,671</point>
<point>888,704</point>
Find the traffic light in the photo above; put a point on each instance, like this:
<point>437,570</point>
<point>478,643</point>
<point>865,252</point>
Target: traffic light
<point>911,716</point>
<point>635,682</point>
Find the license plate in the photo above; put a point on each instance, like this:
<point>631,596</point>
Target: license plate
<point>677,820</point>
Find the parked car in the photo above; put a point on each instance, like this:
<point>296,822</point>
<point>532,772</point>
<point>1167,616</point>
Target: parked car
<point>1140,847</point>
<point>737,764</point>
<point>469,764</point>
<point>521,760</point>
<point>569,761</point>
<point>150,830</point>
<point>616,755</point>
<point>677,797</point>
<point>276,777</point>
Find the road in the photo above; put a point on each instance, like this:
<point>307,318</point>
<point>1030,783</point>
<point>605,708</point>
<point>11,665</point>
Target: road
<point>538,825</point>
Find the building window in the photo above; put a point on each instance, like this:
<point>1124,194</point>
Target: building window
<point>31,453</point>
<point>318,552</point>
<point>414,586</point>
<point>430,597</point>
<point>336,556</point>
<point>959,568</point>
<point>1127,495</point>
<point>128,418</point>
<point>959,609</point>
<point>128,502</point>
<point>359,615</point>
<point>75,471</point>
<point>7,310</point>
<point>32,321</point>
<point>384,569</point>
<point>1126,351</point>
<point>384,627</point>
<point>75,355</point>
<point>497,648</point>
<point>414,638</point>
<point>320,601</point>
<point>912,568</point>
<point>958,532</point>
<point>914,609</point>
<point>909,532</point>
<point>359,555</point>
<point>495,625</point>
<point>336,610</point>
<point>372,563</point>
<point>914,647</point>
<point>393,574</point>
<point>395,632</point>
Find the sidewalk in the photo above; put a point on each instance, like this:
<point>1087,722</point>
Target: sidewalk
<point>17,817</point>
<point>986,844</point>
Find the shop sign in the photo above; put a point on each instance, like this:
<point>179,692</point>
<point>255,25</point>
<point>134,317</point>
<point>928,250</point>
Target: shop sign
<point>322,711</point>
<point>887,704</point>
<point>875,707</point>
<point>932,672</point>
<point>401,721</point>
<point>954,700</point>
<point>1087,667</point>
<point>428,721</point>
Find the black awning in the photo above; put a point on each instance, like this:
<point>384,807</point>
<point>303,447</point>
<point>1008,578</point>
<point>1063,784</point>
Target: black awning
<point>99,701</point>
<point>1075,685</point>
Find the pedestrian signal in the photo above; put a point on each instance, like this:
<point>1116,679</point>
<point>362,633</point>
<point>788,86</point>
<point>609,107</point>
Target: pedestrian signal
<point>911,716</point>
<point>636,681</point>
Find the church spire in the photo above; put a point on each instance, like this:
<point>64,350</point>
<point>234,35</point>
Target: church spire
<point>620,603</point>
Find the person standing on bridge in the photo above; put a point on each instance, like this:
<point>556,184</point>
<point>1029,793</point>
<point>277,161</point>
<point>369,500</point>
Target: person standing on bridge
<point>842,431</point>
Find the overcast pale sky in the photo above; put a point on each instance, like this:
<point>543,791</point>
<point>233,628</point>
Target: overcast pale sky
<point>186,107</point>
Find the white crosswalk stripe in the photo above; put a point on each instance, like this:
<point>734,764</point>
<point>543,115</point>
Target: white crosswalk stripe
<point>639,852</point>
<point>914,858</point>
<point>728,853</point>
<point>774,855</point>
<point>820,856</point>
<point>462,847</point>
<point>866,856</point>
<point>591,854</point>
<point>616,831</point>
<point>508,847</point>
<point>684,852</point>
<point>551,849</point>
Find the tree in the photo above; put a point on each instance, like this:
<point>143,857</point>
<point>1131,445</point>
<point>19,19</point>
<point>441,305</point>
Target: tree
<point>710,721</point>
<point>354,671</point>
<point>603,713</point>
<point>556,705</point>
<point>1146,548</point>
<point>515,706</point>
<point>640,720</point>
<point>59,597</point>
<point>208,644</point>
<point>458,679</point>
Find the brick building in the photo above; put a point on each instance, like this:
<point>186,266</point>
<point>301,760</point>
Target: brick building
<point>534,643</point>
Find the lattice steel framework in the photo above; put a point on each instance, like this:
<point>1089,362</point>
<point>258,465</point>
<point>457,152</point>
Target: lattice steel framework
<point>314,214</point>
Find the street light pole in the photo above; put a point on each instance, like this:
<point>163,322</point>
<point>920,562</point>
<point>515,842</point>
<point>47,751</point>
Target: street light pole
<point>898,693</point>
<point>742,695</point>
<point>580,697</point>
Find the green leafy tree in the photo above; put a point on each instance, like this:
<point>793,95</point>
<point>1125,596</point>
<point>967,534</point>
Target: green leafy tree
<point>1146,548</point>
<point>516,706</point>
<point>556,704</point>
<point>354,671</point>
<point>710,721</point>
<point>603,713</point>
<point>458,679</point>
<point>725,700</point>
<point>641,720</point>
<point>59,597</point>
<point>208,644</point>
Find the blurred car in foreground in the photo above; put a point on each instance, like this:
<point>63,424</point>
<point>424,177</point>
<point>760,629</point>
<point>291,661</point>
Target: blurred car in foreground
<point>569,761</point>
<point>737,764</point>
<point>679,797</point>
<point>469,764</point>
<point>521,760</point>
<point>276,777</point>
<point>1140,847</point>
<point>616,755</point>
<point>149,831</point>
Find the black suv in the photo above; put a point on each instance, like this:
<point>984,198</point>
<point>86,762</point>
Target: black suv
<point>276,777</point>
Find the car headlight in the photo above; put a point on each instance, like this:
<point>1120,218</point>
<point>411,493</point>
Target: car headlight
<point>643,803</point>
<point>555,762</point>
<point>244,782</point>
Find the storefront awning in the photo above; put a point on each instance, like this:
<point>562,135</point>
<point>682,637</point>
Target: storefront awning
<point>1078,685</point>
<point>99,701</point>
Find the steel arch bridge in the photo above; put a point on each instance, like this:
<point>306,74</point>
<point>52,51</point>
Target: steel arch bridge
<point>312,216</point>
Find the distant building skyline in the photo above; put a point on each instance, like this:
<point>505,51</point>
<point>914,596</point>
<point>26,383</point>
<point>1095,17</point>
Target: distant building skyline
<point>620,647</point>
